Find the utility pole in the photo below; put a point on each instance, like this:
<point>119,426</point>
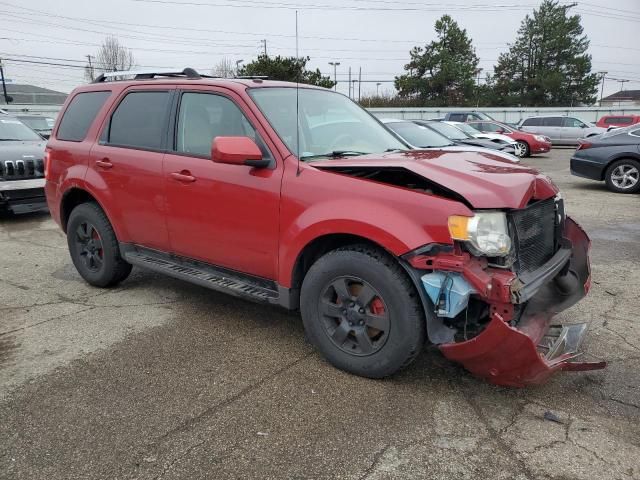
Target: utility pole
<point>264,44</point>
<point>335,80</point>
<point>349,82</point>
<point>603,74</point>
<point>238,62</point>
<point>378,89</point>
<point>7,98</point>
<point>622,82</point>
<point>91,74</point>
<point>359,83</point>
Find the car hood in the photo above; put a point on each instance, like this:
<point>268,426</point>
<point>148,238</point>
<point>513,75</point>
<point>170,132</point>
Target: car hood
<point>22,150</point>
<point>483,179</point>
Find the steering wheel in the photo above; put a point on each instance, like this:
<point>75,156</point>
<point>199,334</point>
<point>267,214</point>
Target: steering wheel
<point>343,139</point>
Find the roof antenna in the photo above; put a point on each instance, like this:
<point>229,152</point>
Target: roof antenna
<point>297,101</point>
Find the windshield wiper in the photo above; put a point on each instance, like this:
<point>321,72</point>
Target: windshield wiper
<point>11,140</point>
<point>335,154</point>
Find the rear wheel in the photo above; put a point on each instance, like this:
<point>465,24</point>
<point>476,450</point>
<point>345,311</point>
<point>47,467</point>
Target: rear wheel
<point>522,149</point>
<point>623,176</point>
<point>94,247</point>
<point>362,312</point>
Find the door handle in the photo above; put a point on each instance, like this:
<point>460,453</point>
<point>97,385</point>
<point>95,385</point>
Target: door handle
<point>184,176</point>
<point>104,163</point>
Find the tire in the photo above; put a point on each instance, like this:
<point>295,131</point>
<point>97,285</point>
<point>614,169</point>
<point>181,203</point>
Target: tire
<point>623,176</point>
<point>383,297</point>
<point>524,148</point>
<point>94,247</point>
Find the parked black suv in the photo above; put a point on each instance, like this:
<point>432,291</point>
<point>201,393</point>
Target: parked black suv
<point>21,167</point>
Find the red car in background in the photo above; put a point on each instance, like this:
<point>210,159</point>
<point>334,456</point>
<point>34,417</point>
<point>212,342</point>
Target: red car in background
<point>531,143</point>
<point>608,121</point>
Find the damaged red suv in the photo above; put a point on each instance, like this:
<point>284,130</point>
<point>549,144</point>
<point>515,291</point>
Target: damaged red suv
<point>380,247</point>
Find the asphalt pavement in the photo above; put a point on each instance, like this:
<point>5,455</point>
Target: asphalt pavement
<point>158,378</point>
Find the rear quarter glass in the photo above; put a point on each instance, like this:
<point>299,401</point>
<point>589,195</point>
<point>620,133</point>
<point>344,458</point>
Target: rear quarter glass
<point>80,114</point>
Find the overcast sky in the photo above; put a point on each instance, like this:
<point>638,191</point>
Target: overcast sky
<point>375,35</point>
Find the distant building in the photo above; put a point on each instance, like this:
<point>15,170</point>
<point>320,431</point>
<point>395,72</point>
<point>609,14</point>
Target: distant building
<point>623,98</point>
<point>32,95</point>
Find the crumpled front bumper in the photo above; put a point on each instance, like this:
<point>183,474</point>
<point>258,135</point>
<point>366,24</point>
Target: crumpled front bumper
<point>532,349</point>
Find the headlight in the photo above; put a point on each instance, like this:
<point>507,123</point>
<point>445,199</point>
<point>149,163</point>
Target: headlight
<point>486,232</point>
<point>540,138</point>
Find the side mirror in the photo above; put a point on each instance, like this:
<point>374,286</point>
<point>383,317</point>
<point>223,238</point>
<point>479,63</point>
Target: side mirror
<point>237,151</point>
<point>500,130</point>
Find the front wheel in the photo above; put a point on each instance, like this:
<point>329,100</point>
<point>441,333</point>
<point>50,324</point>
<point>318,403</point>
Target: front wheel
<point>522,149</point>
<point>362,312</point>
<point>623,176</point>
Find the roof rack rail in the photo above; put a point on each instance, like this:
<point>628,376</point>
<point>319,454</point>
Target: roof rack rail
<point>253,77</point>
<point>149,74</point>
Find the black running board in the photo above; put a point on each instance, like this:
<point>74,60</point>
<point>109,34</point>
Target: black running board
<point>200,273</point>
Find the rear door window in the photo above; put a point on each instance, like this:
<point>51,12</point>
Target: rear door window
<point>552,122</point>
<point>457,117</point>
<point>140,121</point>
<point>80,114</point>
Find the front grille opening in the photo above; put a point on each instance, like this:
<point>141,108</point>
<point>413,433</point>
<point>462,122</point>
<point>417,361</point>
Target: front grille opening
<point>534,231</point>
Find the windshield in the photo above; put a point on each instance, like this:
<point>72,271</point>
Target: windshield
<point>330,123</point>
<point>468,129</point>
<point>449,131</point>
<point>419,136</point>
<point>37,123</point>
<point>14,129</point>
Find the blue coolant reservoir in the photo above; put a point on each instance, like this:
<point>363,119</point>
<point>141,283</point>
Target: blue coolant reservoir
<point>449,292</point>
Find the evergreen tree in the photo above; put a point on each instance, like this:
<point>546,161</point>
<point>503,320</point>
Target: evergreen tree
<point>443,73</point>
<point>290,69</point>
<point>548,64</point>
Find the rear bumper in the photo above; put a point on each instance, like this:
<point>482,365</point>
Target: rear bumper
<point>527,351</point>
<point>581,167</point>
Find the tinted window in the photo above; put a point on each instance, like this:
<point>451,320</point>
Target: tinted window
<point>139,121</point>
<point>618,120</point>
<point>573,123</point>
<point>552,121</point>
<point>532,122</point>
<point>204,117</point>
<point>458,117</point>
<point>80,114</point>
<point>491,127</point>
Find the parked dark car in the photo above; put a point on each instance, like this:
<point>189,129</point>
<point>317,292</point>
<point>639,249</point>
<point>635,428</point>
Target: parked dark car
<point>21,167</point>
<point>39,124</point>
<point>613,157</point>
<point>423,137</point>
<point>466,116</point>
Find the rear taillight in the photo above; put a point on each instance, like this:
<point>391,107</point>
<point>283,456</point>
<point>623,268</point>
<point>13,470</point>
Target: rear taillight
<point>584,145</point>
<point>47,160</point>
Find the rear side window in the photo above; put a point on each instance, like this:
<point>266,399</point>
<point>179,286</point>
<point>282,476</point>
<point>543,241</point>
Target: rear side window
<point>140,121</point>
<point>80,114</point>
<point>618,120</point>
<point>532,122</point>
<point>552,122</point>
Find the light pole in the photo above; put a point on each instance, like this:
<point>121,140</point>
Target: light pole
<point>378,89</point>
<point>353,88</point>
<point>335,67</point>
<point>238,62</point>
<point>604,74</point>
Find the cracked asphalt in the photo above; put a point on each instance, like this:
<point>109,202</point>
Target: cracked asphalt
<point>161,379</point>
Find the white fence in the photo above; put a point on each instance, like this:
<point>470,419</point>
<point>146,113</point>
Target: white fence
<point>510,115</point>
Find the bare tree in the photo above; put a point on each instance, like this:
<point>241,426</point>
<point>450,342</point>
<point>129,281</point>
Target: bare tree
<point>224,68</point>
<point>111,57</point>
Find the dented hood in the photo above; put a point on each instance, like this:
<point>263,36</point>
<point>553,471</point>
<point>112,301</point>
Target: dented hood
<point>484,180</point>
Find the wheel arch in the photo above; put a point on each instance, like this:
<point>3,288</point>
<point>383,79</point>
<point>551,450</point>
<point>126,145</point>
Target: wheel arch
<point>73,197</point>
<point>615,158</point>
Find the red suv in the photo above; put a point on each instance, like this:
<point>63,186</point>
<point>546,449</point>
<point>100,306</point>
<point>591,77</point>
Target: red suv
<point>298,197</point>
<point>529,142</point>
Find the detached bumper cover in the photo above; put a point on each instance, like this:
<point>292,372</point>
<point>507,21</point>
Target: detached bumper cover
<point>529,352</point>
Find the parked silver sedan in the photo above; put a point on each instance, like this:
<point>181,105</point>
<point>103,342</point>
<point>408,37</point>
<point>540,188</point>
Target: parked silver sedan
<point>561,130</point>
